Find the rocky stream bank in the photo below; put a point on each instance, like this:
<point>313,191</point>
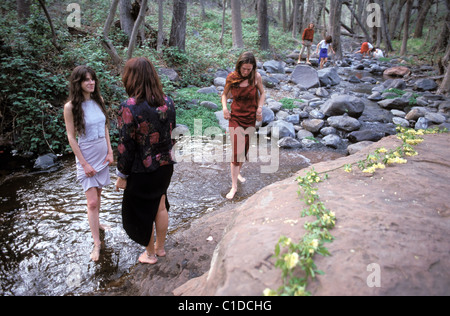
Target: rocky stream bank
<point>397,219</point>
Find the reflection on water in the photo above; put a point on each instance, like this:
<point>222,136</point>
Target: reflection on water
<point>45,236</point>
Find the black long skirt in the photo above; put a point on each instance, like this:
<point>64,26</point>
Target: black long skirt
<point>141,201</point>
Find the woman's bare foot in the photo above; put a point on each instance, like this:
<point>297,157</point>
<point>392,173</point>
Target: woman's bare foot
<point>241,178</point>
<point>147,258</point>
<point>231,194</point>
<point>161,252</point>
<point>95,254</point>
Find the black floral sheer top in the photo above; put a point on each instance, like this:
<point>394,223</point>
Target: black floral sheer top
<point>145,136</point>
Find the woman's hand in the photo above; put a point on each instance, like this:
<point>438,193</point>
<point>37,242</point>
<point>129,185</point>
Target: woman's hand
<point>89,171</point>
<point>226,114</point>
<point>259,114</point>
<point>109,158</point>
<point>121,183</point>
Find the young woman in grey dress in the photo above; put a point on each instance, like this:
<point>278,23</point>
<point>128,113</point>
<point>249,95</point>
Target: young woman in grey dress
<point>85,116</point>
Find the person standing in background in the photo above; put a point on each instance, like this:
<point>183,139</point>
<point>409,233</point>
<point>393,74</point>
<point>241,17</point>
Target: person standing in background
<point>307,41</point>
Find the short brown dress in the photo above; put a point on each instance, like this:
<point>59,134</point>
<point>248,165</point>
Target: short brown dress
<point>243,114</point>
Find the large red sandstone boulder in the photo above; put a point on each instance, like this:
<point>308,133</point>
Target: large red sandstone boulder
<point>398,71</point>
<point>394,224</point>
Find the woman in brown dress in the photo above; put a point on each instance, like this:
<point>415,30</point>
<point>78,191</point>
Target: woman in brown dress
<point>245,87</point>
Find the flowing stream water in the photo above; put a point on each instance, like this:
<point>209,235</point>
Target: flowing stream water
<point>45,236</point>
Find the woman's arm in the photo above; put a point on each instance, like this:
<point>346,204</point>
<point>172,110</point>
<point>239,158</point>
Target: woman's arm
<point>262,97</point>
<point>226,112</point>
<point>110,156</point>
<point>71,136</point>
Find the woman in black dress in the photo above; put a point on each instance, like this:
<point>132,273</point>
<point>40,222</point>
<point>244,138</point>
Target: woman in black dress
<point>145,164</point>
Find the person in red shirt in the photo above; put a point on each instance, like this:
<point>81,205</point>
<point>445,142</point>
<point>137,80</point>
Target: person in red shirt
<point>366,49</point>
<point>307,40</point>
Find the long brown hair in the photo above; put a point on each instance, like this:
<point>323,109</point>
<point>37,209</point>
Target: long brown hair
<point>141,81</point>
<point>76,96</point>
<point>247,58</point>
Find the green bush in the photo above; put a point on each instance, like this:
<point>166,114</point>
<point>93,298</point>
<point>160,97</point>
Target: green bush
<point>187,112</point>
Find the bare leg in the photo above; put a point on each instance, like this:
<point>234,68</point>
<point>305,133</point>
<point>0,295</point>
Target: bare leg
<point>161,225</point>
<point>93,208</point>
<point>240,177</point>
<point>235,171</point>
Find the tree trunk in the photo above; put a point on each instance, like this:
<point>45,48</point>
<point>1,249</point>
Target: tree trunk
<point>424,9</point>
<point>202,4</point>
<point>263,25</point>
<point>23,10</point>
<point>308,17</point>
<point>384,28</point>
<point>445,85</point>
<point>404,49</point>
<point>160,26</point>
<point>320,11</point>
<point>238,42</point>
<point>137,25</point>
<point>395,19</point>
<point>126,18</point>
<point>178,31</point>
<point>444,36</point>
<point>49,19</point>
<point>361,25</point>
<point>335,26</point>
<point>106,42</point>
<point>295,14</point>
<point>223,22</point>
<point>284,15</point>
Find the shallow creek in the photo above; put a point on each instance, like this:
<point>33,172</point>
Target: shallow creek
<point>45,237</point>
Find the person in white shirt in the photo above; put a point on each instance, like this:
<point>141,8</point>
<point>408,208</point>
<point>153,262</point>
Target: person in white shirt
<point>378,53</point>
<point>324,46</point>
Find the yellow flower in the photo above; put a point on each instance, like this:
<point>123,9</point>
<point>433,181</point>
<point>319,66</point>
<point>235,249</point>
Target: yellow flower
<point>369,170</point>
<point>414,141</point>
<point>287,242</point>
<point>300,291</point>
<point>397,160</point>
<point>315,243</point>
<point>382,150</point>
<point>348,168</point>
<point>269,292</point>
<point>291,260</point>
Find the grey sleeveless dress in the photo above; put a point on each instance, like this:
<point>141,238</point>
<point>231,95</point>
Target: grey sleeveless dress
<point>94,147</point>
